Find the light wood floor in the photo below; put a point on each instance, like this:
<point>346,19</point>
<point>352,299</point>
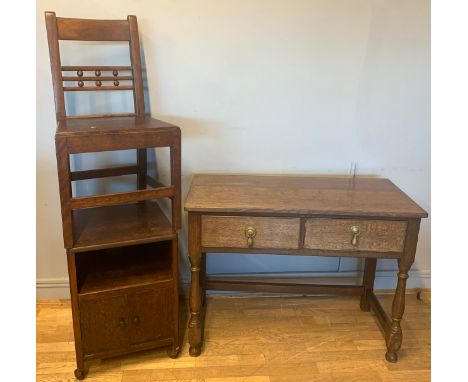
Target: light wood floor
<point>257,339</point>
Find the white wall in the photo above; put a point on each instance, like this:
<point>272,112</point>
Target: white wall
<point>263,86</point>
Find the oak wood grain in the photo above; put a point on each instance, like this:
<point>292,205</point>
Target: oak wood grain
<point>213,283</point>
<point>368,279</point>
<point>121,249</point>
<point>55,63</point>
<point>96,88</point>
<point>103,322</point>
<point>73,280</point>
<point>135,57</point>
<point>124,268</point>
<point>304,252</point>
<point>150,315</point>
<point>115,133</point>
<point>92,30</point>
<point>229,231</point>
<point>104,115</point>
<point>103,172</point>
<point>121,197</point>
<point>335,216</point>
<point>195,322</point>
<point>98,125</point>
<point>335,234</point>
<point>94,78</point>
<point>74,68</point>
<point>126,224</point>
<point>65,191</point>
<point>311,195</point>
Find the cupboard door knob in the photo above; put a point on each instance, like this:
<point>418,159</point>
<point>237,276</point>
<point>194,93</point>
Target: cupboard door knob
<point>356,231</point>
<point>122,322</point>
<point>136,320</point>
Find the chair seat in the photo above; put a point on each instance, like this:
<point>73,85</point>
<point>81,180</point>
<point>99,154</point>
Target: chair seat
<point>110,124</point>
<point>115,133</point>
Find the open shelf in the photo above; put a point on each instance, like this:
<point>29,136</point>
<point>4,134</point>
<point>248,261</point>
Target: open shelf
<point>124,267</point>
<point>119,225</point>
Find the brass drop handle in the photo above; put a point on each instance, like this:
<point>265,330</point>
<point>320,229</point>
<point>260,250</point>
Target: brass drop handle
<point>250,233</point>
<point>136,320</point>
<point>356,231</point>
<point>122,322</point>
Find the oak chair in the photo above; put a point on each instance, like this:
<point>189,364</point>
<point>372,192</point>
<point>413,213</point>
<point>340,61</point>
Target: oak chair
<point>122,250</point>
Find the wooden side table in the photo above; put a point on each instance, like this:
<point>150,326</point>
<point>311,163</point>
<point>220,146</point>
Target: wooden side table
<point>369,218</point>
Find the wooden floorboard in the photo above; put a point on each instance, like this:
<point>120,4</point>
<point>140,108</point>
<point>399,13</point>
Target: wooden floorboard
<point>257,339</point>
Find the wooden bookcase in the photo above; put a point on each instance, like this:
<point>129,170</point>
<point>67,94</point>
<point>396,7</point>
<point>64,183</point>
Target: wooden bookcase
<point>122,250</point>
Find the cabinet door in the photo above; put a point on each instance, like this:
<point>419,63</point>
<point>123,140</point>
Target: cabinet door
<point>151,316</point>
<point>104,324</point>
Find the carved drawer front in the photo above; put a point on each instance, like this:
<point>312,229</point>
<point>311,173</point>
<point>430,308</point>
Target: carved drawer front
<point>250,232</point>
<point>355,235</point>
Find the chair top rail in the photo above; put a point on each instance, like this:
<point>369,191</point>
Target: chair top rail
<point>92,30</point>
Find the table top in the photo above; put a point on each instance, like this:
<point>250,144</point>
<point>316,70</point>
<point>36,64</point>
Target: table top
<point>305,195</point>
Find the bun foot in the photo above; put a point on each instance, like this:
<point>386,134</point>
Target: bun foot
<point>195,351</point>
<point>391,356</point>
<point>173,353</point>
<point>80,374</point>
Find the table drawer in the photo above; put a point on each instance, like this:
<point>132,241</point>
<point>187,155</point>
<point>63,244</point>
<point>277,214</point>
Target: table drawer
<point>369,235</point>
<point>266,232</point>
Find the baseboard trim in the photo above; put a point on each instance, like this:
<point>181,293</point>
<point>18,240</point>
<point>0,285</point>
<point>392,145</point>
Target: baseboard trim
<point>52,288</point>
<point>58,288</point>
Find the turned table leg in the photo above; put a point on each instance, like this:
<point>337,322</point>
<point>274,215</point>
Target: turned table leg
<point>394,336</point>
<point>368,282</point>
<point>203,278</point>
<point>195,321</point>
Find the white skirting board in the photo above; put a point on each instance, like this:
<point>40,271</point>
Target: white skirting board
<point>52,288</point>
<point>58,288</point>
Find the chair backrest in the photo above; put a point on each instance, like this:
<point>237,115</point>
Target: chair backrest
<point>104,77</point>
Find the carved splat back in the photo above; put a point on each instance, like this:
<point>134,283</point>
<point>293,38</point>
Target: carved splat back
<point>94,78</point>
